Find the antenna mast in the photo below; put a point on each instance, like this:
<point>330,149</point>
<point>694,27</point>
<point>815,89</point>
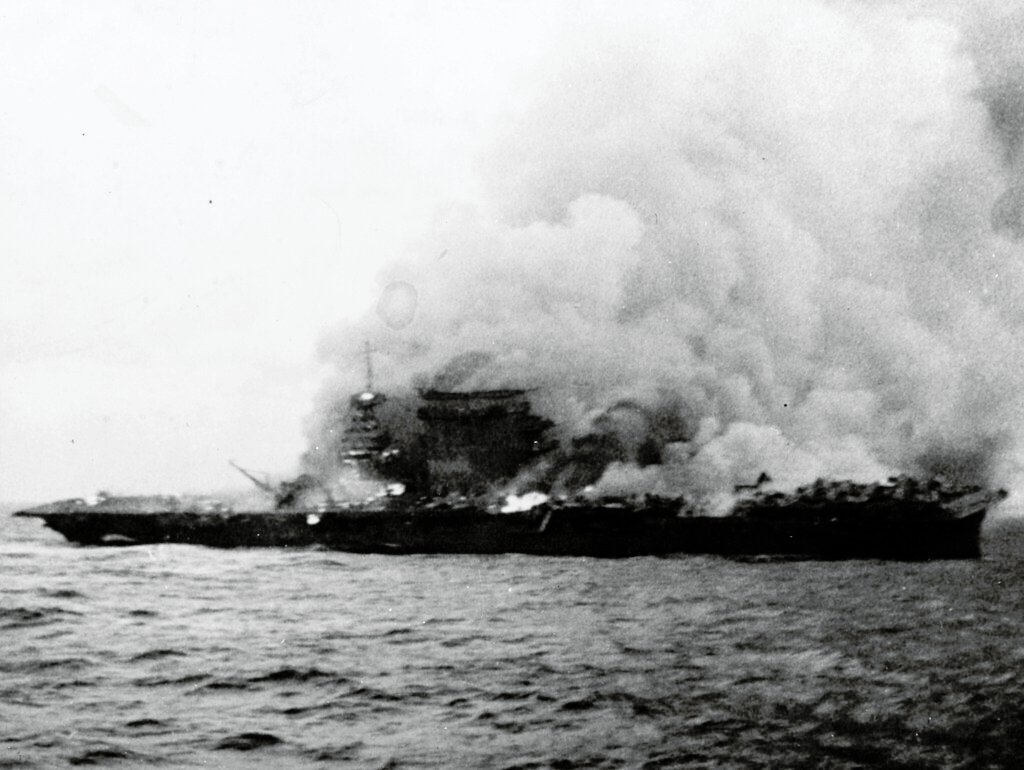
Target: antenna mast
<point>369,366</point>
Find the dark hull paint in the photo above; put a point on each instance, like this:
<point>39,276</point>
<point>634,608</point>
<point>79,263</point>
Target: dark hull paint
<point>906,532</point>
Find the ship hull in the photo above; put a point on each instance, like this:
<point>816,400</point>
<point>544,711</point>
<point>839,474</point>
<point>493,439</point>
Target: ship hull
<point>910,532</point>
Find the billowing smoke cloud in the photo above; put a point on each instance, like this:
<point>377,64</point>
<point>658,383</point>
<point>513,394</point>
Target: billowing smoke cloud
<point>787,229</point>
<point>995,37</point>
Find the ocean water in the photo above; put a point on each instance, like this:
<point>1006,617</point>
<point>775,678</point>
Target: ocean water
<point>180,656</point>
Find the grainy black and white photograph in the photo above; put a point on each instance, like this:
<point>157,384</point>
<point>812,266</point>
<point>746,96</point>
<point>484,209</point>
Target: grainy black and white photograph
<point>512,385</point>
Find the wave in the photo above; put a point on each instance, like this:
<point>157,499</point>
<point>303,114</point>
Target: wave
<point>249,741</point>
<point>296,675</point>
<point>22,617</point>
<point>157,654</point>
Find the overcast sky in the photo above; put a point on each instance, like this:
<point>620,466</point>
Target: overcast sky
<point>191,192</point>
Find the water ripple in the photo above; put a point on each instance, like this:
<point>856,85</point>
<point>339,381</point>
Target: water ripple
<point>187,657</point>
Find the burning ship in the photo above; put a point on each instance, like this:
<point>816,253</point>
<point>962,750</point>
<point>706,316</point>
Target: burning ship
<point>435,502</point>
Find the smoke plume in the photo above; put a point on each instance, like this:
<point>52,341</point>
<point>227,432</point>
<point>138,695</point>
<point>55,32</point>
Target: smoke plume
<point>755,237</point>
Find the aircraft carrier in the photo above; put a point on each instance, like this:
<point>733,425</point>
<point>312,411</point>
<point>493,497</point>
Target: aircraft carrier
<point>432,496</point>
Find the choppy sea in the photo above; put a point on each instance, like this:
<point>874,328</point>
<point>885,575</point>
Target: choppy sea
<point>181,656</point>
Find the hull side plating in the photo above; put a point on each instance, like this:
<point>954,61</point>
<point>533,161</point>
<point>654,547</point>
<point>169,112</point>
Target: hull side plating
<point>909,532</point>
